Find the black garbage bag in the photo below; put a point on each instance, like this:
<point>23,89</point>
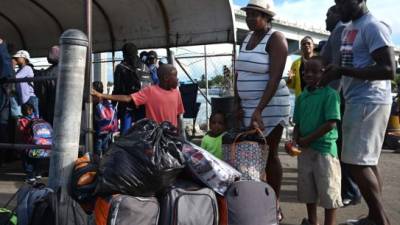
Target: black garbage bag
<point>143,162</point>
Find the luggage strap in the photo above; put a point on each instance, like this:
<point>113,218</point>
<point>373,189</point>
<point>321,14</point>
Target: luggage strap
<point>233,145</point>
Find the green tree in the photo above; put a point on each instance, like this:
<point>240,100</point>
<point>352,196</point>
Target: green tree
<point>217,81</point>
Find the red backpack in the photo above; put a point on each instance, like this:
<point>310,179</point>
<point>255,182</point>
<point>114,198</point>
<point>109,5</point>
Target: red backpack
<point>106,118</point>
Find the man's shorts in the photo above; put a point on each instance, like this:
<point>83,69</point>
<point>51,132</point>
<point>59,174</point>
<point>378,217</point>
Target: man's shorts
<point>319,179</point>
<point>364,127</point>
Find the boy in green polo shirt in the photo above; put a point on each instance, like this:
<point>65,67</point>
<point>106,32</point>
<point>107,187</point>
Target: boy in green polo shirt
<point>316,113</point>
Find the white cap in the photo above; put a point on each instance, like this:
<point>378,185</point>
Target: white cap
<point>22,54</point>
<point>265,6</point>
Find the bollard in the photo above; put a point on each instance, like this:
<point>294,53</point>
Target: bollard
<point>68,107</point>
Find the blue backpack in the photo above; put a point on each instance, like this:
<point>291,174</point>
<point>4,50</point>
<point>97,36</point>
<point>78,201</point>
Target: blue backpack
<point>42,134</point>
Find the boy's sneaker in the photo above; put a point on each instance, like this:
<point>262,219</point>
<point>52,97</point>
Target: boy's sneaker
<point>38,177</point>
<point>30,180</point>
<point>363,221</point>
<point>347,201</point>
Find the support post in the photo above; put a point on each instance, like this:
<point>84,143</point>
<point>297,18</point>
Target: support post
<point>88,79</point>
<point>68,107</point>
<point>206,77</point>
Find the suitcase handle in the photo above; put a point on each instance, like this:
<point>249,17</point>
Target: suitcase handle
<point>233,145</point>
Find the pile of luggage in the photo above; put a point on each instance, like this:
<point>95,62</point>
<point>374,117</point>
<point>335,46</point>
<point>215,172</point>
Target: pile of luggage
<point>151,176</point>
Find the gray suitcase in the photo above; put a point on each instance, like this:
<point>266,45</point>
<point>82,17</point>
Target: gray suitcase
<point>186,203</point>
<point>128,210</point>
<point>250,203</point>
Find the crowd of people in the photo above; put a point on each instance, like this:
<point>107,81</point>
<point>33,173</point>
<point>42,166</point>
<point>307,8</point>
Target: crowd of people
<point>343,102</point>
<point>357,62</point>
<point>20,102</point>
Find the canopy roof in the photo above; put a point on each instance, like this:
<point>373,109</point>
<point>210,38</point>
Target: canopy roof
<point>35,25</point>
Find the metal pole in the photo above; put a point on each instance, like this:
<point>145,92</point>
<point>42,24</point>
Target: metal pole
<point>88,79</point>
<point>170,58</point>
<point>206,76</point>
<point>234,54</point>
<point>68,107</point>
<point>234,57</point>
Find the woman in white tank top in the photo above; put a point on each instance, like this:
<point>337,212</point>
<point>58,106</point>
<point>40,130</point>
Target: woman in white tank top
<point>262,98</point>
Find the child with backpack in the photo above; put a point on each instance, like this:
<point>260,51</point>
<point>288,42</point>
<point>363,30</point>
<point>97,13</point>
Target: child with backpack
<point>212,141</point>
<point>33,131</point>
<point>163,102</point>
<point>105,121</point>
<point>316,112</point>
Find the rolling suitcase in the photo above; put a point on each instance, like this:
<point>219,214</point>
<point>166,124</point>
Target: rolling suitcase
<point>186,203</point>
<point>248,203</point>
<point>129,210</point>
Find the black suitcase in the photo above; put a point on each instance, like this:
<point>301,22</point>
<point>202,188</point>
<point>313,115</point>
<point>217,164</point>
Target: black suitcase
<point>249,203</point>
<point>186,203</point>
<point>128,210</point>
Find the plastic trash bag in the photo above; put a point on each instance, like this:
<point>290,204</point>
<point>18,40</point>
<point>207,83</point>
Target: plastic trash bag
<point>210,170</point>
<point>143,162</point>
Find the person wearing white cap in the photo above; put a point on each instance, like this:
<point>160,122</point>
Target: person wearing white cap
<point>25,90</point>
<point>262,98</point>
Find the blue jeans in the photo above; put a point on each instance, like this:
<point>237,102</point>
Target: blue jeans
<point>129,116</point>
<point>102,143</point>
<point>126,121</point>
<point>349,188</point>
<point>34,101</point>
<point>31,166</point>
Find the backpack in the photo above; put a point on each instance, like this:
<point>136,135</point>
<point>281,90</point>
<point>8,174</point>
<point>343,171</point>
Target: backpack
<point>106,118</point>
<point>84,181</point>
<point>26,198</point>
<point>188,203</point>
<point>58,208</point>
<point>8,217</point>
<point>42,134</point>
<point>248,203</point>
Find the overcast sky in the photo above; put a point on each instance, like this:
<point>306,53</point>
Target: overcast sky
<point>313,12</point>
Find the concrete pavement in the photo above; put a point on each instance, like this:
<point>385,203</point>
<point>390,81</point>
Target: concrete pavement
<point>11,178</point>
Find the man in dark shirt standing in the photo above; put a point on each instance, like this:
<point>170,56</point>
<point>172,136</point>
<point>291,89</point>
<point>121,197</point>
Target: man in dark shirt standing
<point>126,82</point>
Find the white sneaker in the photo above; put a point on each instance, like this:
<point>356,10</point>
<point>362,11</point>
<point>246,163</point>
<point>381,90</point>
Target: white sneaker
<point>30,180</point>
<point>363,221</point>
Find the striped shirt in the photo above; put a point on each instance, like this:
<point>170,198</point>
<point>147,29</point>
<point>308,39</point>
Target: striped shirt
<point>252,67</point>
